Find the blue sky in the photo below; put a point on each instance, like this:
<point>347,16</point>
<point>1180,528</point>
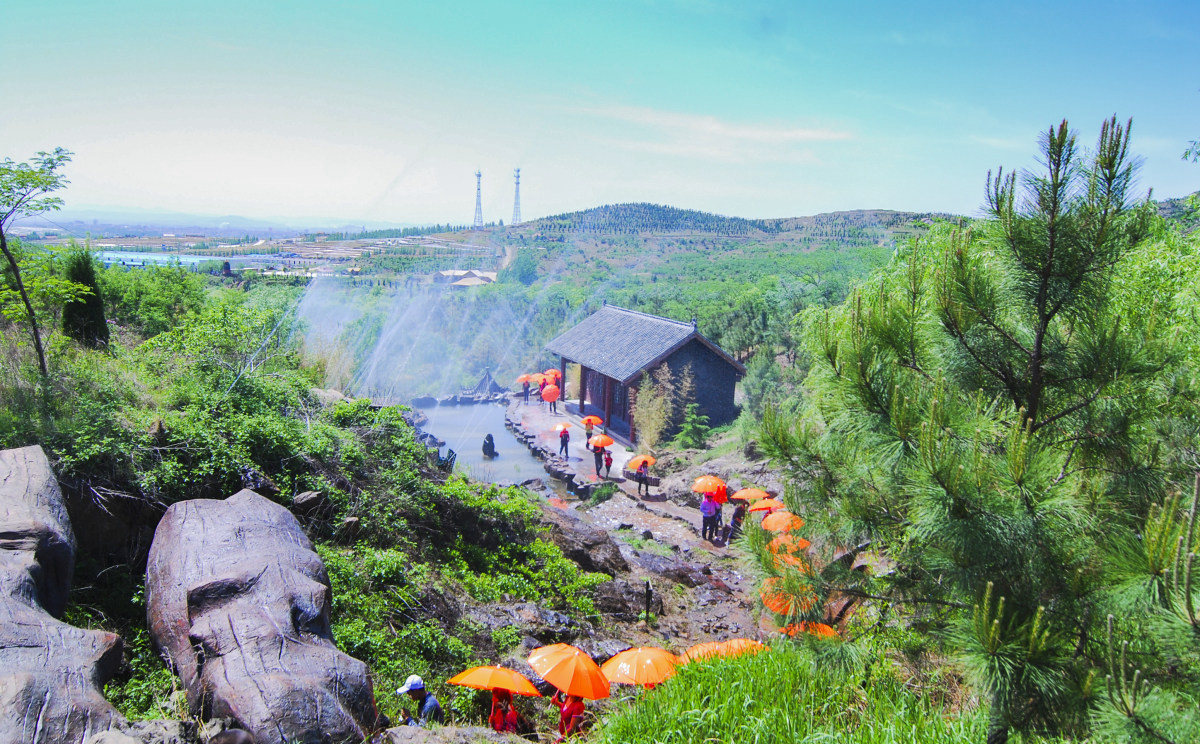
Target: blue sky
<point>382,111</point>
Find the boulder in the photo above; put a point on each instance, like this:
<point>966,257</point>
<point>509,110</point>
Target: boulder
<point>591,547</point>
<point>424,401</point>
<point>239,602</point>
<point>311,504</point>
<point>624,600</point>
<point>51,673</point>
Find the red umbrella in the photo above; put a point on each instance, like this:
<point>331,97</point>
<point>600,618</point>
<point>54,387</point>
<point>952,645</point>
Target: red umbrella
<point>550,393</point>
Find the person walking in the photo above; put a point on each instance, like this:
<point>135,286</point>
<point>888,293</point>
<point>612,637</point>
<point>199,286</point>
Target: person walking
<point>554,406</point>
<point>525,388</point>
<point>607,463</point>
<point>735,522</point>
<point>564,439</point>
<point>429,710</point>
<point>643,478</point>
<point>587,430</point>
<point>598,454</point>
<point>709,509</point>
<point>541,388</point>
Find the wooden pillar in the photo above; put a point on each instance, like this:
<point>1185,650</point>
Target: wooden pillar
<point>632,397</point>
<point>562,378</point>
<point>583,382</point>
<point>607,401</point>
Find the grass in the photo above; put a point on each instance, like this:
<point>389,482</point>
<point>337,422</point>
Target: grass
<point>791,694</point>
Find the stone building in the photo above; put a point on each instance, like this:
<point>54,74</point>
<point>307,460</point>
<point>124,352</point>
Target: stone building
<point>615,346</point>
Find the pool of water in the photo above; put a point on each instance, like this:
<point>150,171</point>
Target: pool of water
<point>464,428</point>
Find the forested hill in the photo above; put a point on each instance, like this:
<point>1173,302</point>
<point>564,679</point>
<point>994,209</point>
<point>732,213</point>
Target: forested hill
<point>642,218</point>
<point>623,219</point>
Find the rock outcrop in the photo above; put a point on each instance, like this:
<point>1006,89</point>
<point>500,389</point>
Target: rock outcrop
<point>51,673</point>
<point>239,602</point>
<point>589,546</point>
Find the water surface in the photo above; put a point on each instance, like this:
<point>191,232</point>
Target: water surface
<point>464,428</point>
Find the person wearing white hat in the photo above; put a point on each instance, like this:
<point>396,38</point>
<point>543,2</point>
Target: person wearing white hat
<point>428,708</point>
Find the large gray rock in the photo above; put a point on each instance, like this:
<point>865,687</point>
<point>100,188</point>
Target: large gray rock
<point>51,673</point>
<point>591,547</point>
<point>239,603</point>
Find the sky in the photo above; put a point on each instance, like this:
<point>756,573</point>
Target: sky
<point>357,111</point>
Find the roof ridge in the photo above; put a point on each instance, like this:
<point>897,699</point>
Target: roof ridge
<point>686,323</point>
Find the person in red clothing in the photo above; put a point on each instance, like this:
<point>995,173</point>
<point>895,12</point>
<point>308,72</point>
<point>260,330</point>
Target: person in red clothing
<point>504,717</point>
<point>570,714</point>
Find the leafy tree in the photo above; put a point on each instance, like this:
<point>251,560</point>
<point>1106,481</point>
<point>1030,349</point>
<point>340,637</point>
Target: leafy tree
<point>693,432</point>
<point>83,317</point>
<point>25,190</point>
<point>983,414</point>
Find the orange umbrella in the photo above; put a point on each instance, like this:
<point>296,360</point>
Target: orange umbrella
<point>600,440</point>
<point>593,420</point>
<point>783,602</point>
<point>570,670</point>
<point>767,505</point>
<point>742,646</point>
<point>525,378</point>
<point>553,372</point>
<point>636,461</point>
<point>560,427</point>
<point>750,494</point>
<point>782,521</point>
<point>708,484</point>
<point>788,543</point>
<point>641,666</point>
<point>495,678</point>
<point>536,378</point>
<point>821,630</point>
<point>700,651</point>
<point>550,393</point>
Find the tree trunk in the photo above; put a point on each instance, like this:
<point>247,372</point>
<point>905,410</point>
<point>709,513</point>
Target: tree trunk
<point>37,338</point>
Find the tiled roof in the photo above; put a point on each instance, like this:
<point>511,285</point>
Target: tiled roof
<point>620,343</point>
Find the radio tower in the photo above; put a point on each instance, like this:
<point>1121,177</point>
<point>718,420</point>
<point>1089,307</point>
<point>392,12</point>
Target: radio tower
<point>516,220</point>
<point>478,202</point>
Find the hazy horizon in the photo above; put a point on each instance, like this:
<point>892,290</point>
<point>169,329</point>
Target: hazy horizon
<point>377,113</point>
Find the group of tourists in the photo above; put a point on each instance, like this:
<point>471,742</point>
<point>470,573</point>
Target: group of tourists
<point>712,523</point>
<point>504,716</point>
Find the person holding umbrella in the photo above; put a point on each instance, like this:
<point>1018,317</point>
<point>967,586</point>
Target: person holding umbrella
<point>504,716</point>
<point>598,454</point>
<point>710,512</point>
<point>575,676</point>
<point>525,389</point>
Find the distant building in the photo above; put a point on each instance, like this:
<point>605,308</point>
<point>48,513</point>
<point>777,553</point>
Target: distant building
<point>615,346</point>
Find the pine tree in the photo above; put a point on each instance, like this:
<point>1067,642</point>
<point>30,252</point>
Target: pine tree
<point>982,414</point>
<point>83,317</point>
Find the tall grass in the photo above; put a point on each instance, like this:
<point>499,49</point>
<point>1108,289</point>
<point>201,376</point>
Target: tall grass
<point>786,695</point>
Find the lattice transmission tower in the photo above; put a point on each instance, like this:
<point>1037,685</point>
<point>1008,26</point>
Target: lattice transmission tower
<point>478,202</point>
<point>516,220</point>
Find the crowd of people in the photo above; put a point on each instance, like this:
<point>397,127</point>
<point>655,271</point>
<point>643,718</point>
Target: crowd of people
<point>504,716</point>
<point>712,523</point>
